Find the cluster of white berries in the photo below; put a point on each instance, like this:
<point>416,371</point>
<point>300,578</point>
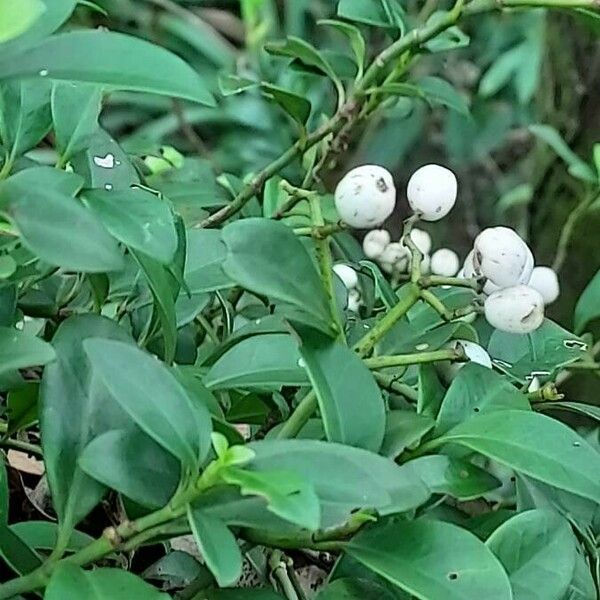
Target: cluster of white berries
<point>516,291</point>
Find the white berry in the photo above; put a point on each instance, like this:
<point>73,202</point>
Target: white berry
<point>422,240</point>
<point>393,252</point>
<point>502,257</point>
<point>365,197</point>
<point>432,191</point>
<point>375,242</point>
<point>347,275</point>
<point>517,309</point>
<point>354,301</point>
<point>545,281</point>
<point>445,262</point>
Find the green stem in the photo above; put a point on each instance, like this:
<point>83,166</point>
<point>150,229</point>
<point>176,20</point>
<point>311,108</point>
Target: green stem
<point>299,417</point>
<point>417,358</point>
<point>388,382</point>
<point>479,6</point>
<point>408,295</point>
<point>437,280</point>
<point>324,260</point>
<point>21,446</point>
<point>321,232</point>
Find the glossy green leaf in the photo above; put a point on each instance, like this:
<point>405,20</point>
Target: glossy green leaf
<point>113,59</point>
<point>75,110</point>
<point>75,408</point>
<point>58,229</point>
<point>19,350</point>
<point>552,137</point>
<point>137,218</point>
<point>217,545</point>
<point>266,257</point>
<point>230,84</point>
<point>431,392</point>
<point>69,581</point>
<point>434,561</point>
<point>350,401</point>
<point>133,464</point>
<point>535,445</point>
<point>537,549</point>
<point>261,361</point>
<point>403,429</point>
<point>293,104</point>
<point>154,399</point>
<point>588,305</point>
<point>16,19</point>
<point>477,389</point>
<point>287,495</point>
<point>346,478</point>
<point>454,477</point>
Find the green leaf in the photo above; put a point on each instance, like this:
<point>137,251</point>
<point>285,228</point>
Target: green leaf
<point>134,465</point>
<point>16,19</point>
<point>43,535</point>
<point>301,50</point>
<point>20,350</point>
<point>74,409</point>
<point>75,110</point>
<point>552,137</point>
<point>350,401</point>
<point>261,361</point>
<point>26,118</point>
<point>154,399</point>
<point>57,228</point>
<point>242,594</point>
<point>16,553</point>
<point>457,478</point>
<point>431,391</point>
<point>293,104</point>
<point>55,14</point>
<point>164,292</point>
<point>253,245</point>
<point>104,164</point>
<point>217,545</point>
<point>112,59</point>
<point>588,410</point>
<point>477,390</point>
<point>588,305</point>
<point>288,496</point>
<point>356,39</point>
<point>137,218</point>
<point>370,12</point>
<point>69,581</point>
<point>347,478</point>
<point>231,84</point>
<point>403,429</point>
<point>348,588</point>
<point>439,91</point>
<point>449,39</point>
<point>22,406</point>
<point>535,445</point>
<point>206,254</point>
<point>537,549</point>
<point>434,561</point>
<point>540,353</point>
